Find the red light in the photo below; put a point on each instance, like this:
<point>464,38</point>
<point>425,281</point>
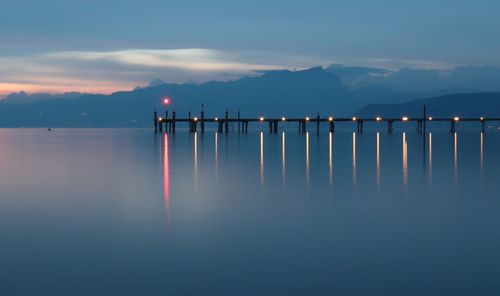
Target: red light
<point>166,101</point>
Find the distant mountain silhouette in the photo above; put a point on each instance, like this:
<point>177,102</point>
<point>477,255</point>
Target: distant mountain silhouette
<point>423,82</point>
<point>275,93</point>
<point>464,105</point>
<point>23,97</point>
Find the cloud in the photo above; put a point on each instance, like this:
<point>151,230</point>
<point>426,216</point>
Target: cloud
<point>108,71</point>
<point>196,60</point>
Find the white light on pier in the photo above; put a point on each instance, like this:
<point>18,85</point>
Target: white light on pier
<point>283,119</point>
<point>330,118</point>
<point>196,119</point>
<point>307,118</point>
<point>354,119</point>
<point>405,118</point>
<point>262,119</point>
<point>430,118</point>
<point>159,119</point>
<point>379,118</point>
<point>456,118</point>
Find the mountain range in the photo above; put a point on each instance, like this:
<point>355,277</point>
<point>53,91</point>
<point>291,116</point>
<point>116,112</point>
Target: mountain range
<point>336,90</point>
<point>474,105</point>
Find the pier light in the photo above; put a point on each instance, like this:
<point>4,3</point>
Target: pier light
<point>283,119</point>
<point>262,119</point>
<point>354,119</point>
<point>330,118</point>
<point>216,119</point>
<point>430,118</point>
<point>196,119</point>
<point>159,118</point>
<point>379,118</point>
<point>456,118</point>
<point>482,118</point>
<point>307,118</point>
<point>405,118</point>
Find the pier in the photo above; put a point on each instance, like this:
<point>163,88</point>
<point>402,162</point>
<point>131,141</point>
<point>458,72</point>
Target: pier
<point>199,123</point>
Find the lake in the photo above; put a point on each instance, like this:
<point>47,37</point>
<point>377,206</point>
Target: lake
<point>130,212</point>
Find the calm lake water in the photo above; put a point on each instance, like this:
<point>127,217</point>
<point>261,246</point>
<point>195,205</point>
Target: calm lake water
<point>128,212</point>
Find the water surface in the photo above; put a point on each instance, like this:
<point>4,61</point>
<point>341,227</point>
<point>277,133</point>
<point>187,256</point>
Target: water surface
<point>128,212</point>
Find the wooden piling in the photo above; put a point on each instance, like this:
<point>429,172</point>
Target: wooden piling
<point>332,126</point>
<point>202,119</point>
<point>425,120</point>
<point>173,122</point>
<point>317,123</point>
<point>360,126</point>
<point>155,121</point>
<point>239,123</point>
<point>227,121</point>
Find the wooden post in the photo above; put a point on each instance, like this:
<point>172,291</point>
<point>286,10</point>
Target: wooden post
<point>219,126</point>
<point>270,126</point>
<point>166,121</point>
<point>275,126</point>
<point>173,121</point>
<point>155,121</point>
<point>360,126</point>
<point>482,125</point>
<point>239,123</point>
<point>389,126</point>
<point>160,122</point>
<point>452,126</point>
<point>317,123</point>
<point>425,120</point>
<point>227,121</point>
<point>332,126</point>
<point>202,118</point>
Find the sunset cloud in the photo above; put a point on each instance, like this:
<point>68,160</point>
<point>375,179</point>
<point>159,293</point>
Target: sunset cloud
<point>109,71</point>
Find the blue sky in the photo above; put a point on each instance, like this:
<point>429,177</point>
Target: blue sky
<point>101,46</point>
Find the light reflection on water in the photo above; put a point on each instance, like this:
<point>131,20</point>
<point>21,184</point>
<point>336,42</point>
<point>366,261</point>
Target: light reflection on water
<point>378,161</point>
<point>192,214</point>
<point>166,177</point>
<point>283,159</point>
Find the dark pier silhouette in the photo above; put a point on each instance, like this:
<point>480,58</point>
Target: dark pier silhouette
<point>242,123</point>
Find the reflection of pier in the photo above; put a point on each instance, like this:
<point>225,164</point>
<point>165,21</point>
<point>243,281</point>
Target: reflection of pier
<point>169,123</point>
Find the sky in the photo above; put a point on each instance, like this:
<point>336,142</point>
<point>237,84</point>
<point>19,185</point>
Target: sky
<point>102,46</point>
